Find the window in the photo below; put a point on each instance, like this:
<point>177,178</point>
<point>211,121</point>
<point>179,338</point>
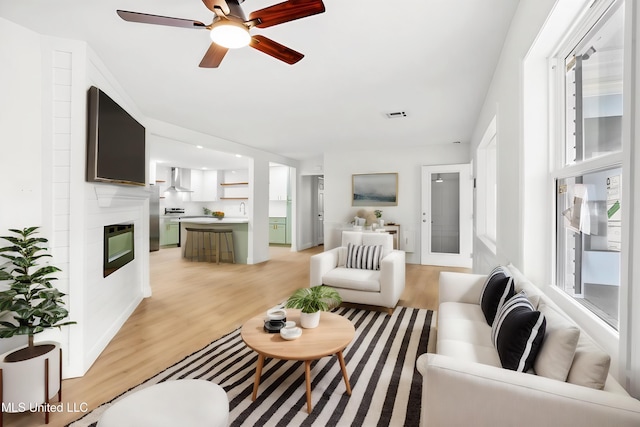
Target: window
<point>487,187</point>
<point>588,179</point>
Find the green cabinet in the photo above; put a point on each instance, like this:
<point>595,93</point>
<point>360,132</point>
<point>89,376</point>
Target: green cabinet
<point>169,233</point>
<point>278,230</point>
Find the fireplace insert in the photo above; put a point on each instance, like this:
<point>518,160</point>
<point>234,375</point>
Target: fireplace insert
<point>118,247</point>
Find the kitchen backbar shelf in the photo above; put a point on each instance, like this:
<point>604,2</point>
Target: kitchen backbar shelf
<point>233,183</point>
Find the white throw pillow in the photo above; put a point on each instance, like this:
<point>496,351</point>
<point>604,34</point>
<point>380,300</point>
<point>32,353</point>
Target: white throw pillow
<point>558,347</point>
<point>590,365</point>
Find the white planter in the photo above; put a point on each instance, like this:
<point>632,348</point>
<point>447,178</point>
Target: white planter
<point>381,222</point>
<point>310,320</point>
<point>24,381</point>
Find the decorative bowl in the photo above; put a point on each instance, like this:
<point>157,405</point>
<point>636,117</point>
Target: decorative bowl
<point>277,314</point>
<point>291,333</point>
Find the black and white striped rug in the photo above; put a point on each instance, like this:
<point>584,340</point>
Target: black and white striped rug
<point>386,387</point>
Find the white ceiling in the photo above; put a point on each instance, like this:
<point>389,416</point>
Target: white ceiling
<point>433,59</point>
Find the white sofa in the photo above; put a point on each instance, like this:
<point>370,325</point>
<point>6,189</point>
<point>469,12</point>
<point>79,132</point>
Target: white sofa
<point>464,382</point>
<point>381,287</point>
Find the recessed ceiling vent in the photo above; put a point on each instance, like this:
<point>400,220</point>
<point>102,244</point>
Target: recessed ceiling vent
<point>396,114</point>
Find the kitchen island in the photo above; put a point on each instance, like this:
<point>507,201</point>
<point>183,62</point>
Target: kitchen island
<point>239,225</point>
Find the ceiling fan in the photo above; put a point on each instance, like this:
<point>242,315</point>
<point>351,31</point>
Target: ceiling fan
<point>230,28</point>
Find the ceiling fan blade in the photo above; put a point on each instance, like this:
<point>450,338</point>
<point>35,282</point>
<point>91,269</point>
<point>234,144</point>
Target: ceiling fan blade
<point>275,49</point>
<point>285,12</point>
<point>220,4</point>
<point>159,20</point>
<point>213,57</point>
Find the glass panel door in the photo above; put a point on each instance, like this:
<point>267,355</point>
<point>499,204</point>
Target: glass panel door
<point>445,213</point>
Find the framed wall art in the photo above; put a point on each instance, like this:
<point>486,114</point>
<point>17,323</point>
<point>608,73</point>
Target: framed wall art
<point>375,189</point>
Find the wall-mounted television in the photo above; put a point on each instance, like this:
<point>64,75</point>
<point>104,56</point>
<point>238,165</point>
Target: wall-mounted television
<point>115,143</point>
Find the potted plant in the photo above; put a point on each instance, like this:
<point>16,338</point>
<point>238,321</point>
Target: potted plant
<point>378,214</point>
<point>35,305</point>
<point>311,301</point>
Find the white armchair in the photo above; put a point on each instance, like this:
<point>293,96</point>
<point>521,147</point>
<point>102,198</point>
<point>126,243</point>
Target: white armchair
<point>381,287</point>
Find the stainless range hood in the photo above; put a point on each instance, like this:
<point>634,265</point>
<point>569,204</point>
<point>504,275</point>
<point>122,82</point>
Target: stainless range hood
<point>176,178</point>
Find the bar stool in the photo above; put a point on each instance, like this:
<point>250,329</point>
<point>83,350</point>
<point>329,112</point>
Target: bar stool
<point>204,243</point>
<point>198,245</point>
<point>228,240</point>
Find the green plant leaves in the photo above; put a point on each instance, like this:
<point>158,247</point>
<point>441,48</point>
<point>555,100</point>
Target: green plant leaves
<point>317,298</point>
<point>36,305</point>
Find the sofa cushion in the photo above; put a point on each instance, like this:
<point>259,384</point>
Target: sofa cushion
<point>517,333</point>
<point>384,239</point>
<point>364,256</point>
<point>521,283</point>
<point>465,330</point>
<point>353,278</point>
<point>463,333</point>
<point>496,290</point>
<point>558,347</point>
<point>590,365</point>
<point>468,352</point>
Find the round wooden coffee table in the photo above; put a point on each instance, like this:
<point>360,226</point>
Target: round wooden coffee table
<point>330,337</point>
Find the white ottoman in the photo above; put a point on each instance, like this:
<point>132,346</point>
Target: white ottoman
<point>190,403</point>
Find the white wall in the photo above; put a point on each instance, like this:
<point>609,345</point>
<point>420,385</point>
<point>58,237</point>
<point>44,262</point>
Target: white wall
<point>21,162</point>
<point>340,165</point>
<point>308,169</point>
<point>305,199</point>
<point>504,100</point>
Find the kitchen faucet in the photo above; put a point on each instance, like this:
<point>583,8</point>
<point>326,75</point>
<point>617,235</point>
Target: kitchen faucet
<point>243,208</point>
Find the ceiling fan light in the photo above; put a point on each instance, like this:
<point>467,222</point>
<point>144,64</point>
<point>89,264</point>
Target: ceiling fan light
<point>229,34</point>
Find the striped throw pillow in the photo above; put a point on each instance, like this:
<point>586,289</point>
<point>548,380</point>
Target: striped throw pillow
<point>497,289</point>
<point>517,333</point>
<point>366,257</point>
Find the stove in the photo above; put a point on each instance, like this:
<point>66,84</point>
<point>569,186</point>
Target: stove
<point>173,211</point>
<point>169,229</point>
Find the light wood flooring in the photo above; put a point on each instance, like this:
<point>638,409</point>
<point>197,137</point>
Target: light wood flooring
<point>194,303</point>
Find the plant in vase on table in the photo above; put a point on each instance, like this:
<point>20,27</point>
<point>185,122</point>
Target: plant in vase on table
<point>378,214</point>
<point>311,301</point>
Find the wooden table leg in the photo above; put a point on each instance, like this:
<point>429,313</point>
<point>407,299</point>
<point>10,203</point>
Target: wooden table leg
<point>344,372</point>
<point>256,382</point>
<point>307,375</point>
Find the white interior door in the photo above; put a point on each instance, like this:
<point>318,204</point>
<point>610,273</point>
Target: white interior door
<point>447,215</point>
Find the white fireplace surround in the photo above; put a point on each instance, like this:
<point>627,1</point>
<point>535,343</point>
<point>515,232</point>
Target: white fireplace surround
<point>111,195</point>
<point>76,211</point>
